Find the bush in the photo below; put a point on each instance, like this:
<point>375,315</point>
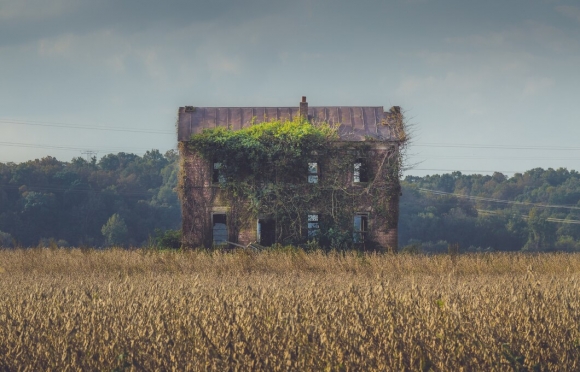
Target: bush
<point>168,239</point>
<point>6,240</point>
<point>414,248</point>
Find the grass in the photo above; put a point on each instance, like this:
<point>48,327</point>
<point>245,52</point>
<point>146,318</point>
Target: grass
<point>147,310</point>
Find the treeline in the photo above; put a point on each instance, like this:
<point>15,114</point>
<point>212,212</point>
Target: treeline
<point>126,199</point>
<point>482,215</point>
<point>119,200</point>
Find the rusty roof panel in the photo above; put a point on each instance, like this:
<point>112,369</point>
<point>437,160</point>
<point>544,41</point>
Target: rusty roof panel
<point>355,122</point>
<point>223,117</point>
<point>248,113</point>
<point>208,119</point>
<point>272,114</point>
<point>332,115</point>
<point>317,114</point>
<point>358,123</point>
<point>236,118</point>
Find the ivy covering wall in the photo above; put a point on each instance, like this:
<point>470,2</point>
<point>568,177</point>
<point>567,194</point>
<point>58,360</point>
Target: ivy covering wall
<point>263,173</point>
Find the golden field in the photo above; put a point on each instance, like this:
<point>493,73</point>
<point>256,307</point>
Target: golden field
<point>145,310</point>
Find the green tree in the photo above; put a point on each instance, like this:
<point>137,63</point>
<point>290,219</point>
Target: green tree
<point>542,234</point>
<point>115,230</point>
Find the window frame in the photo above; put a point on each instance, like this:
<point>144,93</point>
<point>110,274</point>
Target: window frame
<point>313,177</point>
<point>217,176</point>
<point>313,225</point>
<point>360,174</point>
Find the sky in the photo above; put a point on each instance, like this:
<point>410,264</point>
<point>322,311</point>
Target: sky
<point>486,85</point>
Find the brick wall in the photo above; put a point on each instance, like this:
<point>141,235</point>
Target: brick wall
<point>200,198</point>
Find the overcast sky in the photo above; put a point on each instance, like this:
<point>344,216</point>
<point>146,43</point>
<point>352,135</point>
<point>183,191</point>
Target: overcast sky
<point>502,75</point>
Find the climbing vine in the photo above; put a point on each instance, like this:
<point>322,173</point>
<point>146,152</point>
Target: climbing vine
<point>262,170</point>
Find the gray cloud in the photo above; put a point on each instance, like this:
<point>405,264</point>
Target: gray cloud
<point>132,63</point>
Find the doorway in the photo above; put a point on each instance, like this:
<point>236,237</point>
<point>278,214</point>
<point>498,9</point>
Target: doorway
<point>266,233</point>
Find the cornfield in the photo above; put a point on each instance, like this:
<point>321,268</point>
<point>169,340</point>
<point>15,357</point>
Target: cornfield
<point>146,310</point>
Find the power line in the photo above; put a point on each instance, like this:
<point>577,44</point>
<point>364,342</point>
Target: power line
<point>76,126</point>
<point>153,131</point>
<point>479,198</point>
<point>73,190</point>
<point>427,157</point>
<point>34,145</point>
<point>460,170</point>
<point>523,216</point>
<point>504,147</point>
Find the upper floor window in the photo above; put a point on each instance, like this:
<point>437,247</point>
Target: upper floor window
<point>360,172</point>
<point>217,175</point>
<point>361,224</point>
<point>312,172</point>
<point>313,226</point>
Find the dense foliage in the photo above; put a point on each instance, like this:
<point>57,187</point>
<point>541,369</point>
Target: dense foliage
<point>430,221</point>
<point>262,172</point>
<point>257,152</point>
<point>52,202</point>
<point>120,199</point>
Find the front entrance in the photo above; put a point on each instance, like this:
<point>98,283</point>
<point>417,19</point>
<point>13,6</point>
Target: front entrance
<point>266,232</point>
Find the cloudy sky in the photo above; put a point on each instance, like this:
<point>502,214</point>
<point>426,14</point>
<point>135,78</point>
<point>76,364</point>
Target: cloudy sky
<point>489,85</point>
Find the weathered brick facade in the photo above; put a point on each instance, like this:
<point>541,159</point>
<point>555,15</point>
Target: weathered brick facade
<point>204,203</point>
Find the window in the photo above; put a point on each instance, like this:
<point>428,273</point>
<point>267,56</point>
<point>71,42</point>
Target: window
<point>360,173</point>
<point>312,172</point>
<point>220,229</point>
<point>361,223</point>
<point>217,176</point>
<point>313,226</point>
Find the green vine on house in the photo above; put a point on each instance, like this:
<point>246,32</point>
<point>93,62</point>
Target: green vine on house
<point>262,171</point>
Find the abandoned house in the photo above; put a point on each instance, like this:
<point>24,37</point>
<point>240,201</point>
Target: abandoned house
<point>343,193</point>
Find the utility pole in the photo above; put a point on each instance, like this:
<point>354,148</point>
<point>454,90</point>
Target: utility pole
<point>89,154</point>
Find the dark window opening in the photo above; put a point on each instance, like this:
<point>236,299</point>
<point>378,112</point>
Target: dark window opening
<point>266,232</point>
<point>361,224</point>
<point>360,173</point>
<point>217,175</point>
<point>313,226</point>
<point>312,172</point>
<point>220,229</point>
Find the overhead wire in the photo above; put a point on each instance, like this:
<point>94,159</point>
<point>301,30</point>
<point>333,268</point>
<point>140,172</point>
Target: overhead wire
<point>505,147</point>
<point>73,190</point>
<point>494,200</point>
<point>89,127</point>
<point>523,216</point>
<point>427,157</point>
<point>461,170</point>
<point>154,131</point>
<point>54,147</point>
<point>425,144</point>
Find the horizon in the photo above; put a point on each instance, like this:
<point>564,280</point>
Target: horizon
<point>406,173</point>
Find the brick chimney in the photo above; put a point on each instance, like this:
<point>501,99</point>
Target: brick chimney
<point>304,108</point>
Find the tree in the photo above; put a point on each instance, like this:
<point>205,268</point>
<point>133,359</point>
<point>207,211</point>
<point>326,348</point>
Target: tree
<point>5,240</point>
<point>542,234</point>
<point>115,230</point>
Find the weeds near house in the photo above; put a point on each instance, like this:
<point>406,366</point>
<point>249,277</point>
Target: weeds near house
<point>147,310</point>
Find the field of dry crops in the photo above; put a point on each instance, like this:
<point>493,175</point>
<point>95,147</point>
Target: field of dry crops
<point>139,310</point>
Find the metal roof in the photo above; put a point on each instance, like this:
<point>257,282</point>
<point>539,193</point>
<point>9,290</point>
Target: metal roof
<point>356,123</point>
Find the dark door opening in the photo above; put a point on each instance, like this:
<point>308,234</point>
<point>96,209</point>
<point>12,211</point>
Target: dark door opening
<point>266,232</point>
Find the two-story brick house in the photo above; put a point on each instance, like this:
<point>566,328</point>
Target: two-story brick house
<point>361,196</point>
